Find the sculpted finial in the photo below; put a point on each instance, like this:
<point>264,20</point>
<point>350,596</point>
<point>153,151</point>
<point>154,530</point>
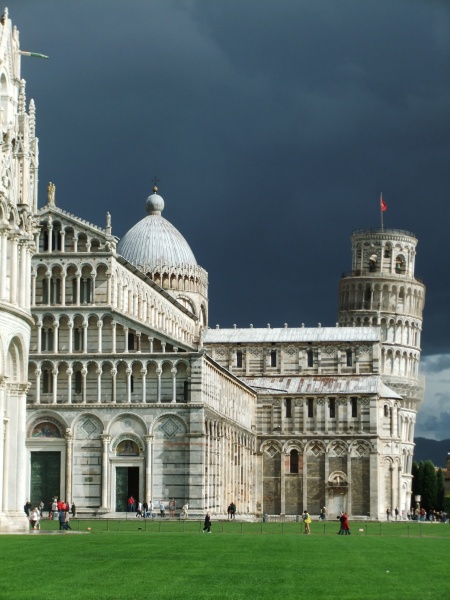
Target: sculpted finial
<point>51,188</point>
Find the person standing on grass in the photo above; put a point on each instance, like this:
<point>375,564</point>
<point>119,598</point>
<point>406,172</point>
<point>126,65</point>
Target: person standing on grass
<point>162,509</point>
<point>306,521</point>
<point>172,507</point>
<point>41,508</point>
<point>74,510</point>
<point>62,519</point>
<point>67,521</point>
<point>345,528</point>
<point>207,524</point>
<point>185,511</point>
<point>396,514</point>
<point>233,510</point>
<point>388,513</point>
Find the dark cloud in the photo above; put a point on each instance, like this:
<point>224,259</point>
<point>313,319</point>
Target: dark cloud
<point>272,125</point>
<point>435,426</point>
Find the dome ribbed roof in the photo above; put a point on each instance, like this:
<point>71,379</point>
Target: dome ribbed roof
<point>154,241</point>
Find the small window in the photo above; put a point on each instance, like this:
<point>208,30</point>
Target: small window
<point>185,391</point>
<point>78,339</point>
<point>293,467</point>
<point>310,408</point>
<point>132,383</point>
<point>78,380</point>
<point>332,406</point>
<point>239,359</point>
<point>386,410</point>
<point>288,408</point>
<point>47,382</point>
<point>131,341</point>
<point>310,357</point>
<point>45,291</point>
<point>387,253</point>
<point>273,358</point>
<point>349,355</point>
<point>354,402</point>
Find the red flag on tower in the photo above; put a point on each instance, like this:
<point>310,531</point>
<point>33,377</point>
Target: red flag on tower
<point>383,204</point>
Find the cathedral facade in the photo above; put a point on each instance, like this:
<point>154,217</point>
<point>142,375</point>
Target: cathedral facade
<point>129,392</point>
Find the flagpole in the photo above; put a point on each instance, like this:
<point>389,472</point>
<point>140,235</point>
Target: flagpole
<point>381,211</point>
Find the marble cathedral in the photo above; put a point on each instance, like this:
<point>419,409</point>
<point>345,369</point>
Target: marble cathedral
<point>112,383</point>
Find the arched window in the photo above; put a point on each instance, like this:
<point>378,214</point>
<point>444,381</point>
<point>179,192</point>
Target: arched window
<point>78,339</point>
<point>78,380</point>
<point>399,264</point>
<point>293,463</point>
<point>47,382</point>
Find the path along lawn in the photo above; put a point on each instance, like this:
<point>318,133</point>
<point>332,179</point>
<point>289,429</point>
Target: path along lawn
<point>170,564</point>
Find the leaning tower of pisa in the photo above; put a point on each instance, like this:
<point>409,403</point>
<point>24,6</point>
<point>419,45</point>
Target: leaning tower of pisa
<point>382,290</point>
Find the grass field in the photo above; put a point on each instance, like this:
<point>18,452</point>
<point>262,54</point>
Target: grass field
<point>237,561</point>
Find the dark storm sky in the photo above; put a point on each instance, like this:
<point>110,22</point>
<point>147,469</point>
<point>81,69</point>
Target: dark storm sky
<point>272,126</point>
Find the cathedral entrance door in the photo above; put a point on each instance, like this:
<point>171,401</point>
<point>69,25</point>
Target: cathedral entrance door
<point>45,477</point>
<point>127,484</point>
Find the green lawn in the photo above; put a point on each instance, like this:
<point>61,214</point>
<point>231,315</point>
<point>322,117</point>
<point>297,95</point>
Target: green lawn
<point>173,560</point>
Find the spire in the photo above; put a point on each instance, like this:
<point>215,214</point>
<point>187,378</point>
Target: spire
<point>108,223</point>
<point>32,111</point>
<point>22,99</point>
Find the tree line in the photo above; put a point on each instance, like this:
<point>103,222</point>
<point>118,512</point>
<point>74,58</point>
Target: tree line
<point>428,482</point>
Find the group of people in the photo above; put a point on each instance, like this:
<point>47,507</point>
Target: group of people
<point>57,509</point>
<point>146,509</point>
<point>343,519</point>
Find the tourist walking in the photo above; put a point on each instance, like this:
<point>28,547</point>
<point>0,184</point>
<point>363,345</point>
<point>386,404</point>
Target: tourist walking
<point>388,514</point>
<point>162,509</point>
<point>345,528</point>
<point>306,521</point>
<point>74,510</point>
<point>185,511</point>
<point>207,524</point>
<point>62,519</point>
<point>172,507</point>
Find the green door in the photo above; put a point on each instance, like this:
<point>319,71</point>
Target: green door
<point>121,489</point>
<point>45,477</point>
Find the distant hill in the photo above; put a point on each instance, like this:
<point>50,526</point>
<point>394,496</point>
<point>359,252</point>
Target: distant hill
<point>433,450</point>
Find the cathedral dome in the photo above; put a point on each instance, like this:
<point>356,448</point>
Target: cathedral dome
<point>154,242</point>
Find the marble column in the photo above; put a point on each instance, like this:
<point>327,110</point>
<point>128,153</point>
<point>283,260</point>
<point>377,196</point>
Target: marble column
<point>106,439</point>
<point>69,454</point>
<point>148,468</point>
<point>174,384</point>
